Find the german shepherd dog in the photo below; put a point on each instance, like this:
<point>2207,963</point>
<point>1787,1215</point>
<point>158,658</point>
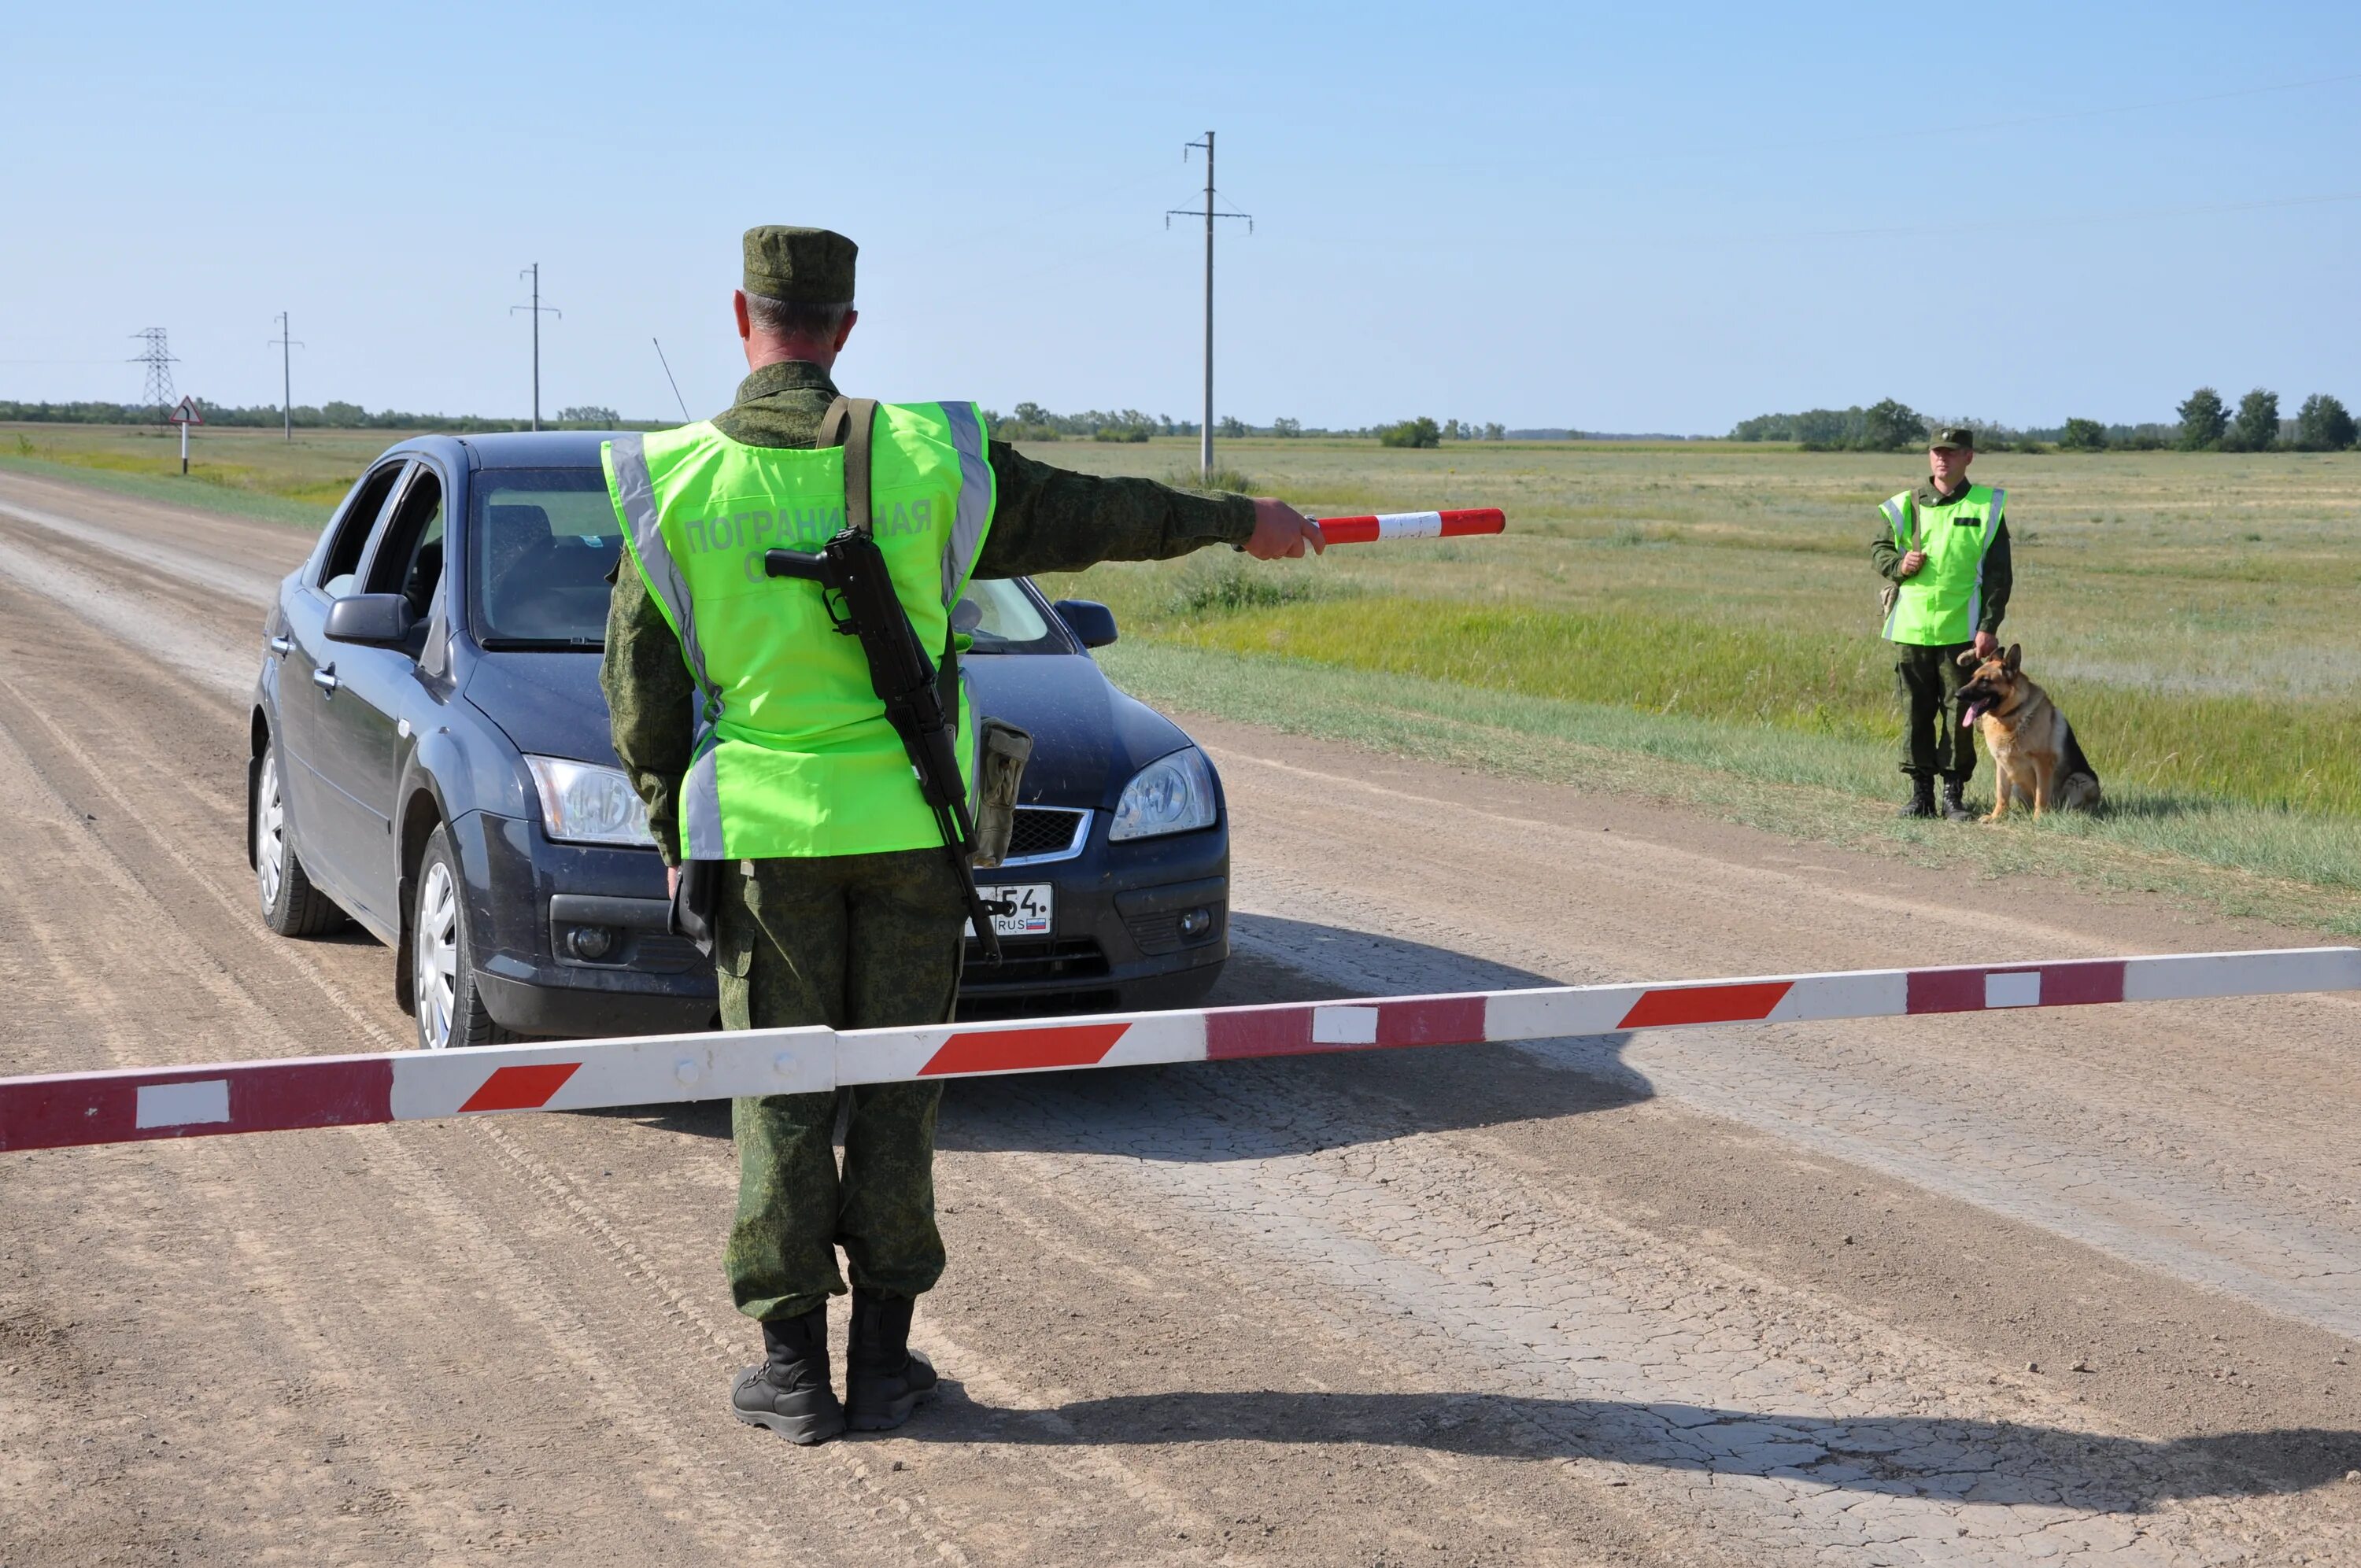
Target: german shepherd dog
<point>2035,754</point>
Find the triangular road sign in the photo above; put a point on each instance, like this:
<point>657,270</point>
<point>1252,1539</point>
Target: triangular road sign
<point>187,413</point>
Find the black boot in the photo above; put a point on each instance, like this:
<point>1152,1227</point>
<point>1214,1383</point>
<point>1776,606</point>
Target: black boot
<point>883,1377</point>
<point>1953,806</point>
<point>1922,796</point>
<point>789,1393</point>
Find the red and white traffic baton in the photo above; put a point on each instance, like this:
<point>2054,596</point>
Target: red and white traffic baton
<point>1369,530</point>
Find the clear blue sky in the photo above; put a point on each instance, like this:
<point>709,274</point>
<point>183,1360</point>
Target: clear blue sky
<point>1627,218</point>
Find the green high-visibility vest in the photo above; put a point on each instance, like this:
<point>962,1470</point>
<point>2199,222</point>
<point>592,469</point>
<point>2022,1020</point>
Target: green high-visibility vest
<point>1940,603</point>
<point>793,756</point>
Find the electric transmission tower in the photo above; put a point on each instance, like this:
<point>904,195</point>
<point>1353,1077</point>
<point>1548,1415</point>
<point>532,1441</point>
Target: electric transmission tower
<point>1205,435</point>
<point>538,310</point>
<point>157,358</point>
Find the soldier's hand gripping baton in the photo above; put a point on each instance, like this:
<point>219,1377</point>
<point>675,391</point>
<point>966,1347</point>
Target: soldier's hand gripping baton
<point>851,571</point>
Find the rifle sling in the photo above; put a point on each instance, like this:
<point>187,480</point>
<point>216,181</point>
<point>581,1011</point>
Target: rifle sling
<point>851,422</point>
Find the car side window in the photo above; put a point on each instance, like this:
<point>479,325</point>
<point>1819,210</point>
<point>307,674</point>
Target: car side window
<point>408,556</point>
<point>342,558</point>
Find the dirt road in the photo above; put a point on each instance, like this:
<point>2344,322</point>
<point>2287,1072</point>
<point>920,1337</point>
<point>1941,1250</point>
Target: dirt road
<point>2080,1288</point>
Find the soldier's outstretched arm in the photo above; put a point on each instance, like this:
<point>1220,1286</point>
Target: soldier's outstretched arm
<point>650,702</point>
<point>1053,520</point>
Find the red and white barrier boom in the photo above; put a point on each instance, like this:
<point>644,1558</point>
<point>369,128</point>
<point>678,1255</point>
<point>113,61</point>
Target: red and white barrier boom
<point>66,1110</point>
<point>1411,525</point>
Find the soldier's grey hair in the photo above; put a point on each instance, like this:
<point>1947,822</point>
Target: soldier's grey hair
<point>782,318</point>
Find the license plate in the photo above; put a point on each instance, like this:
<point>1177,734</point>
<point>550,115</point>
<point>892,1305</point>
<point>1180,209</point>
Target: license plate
<point>1036,904</point>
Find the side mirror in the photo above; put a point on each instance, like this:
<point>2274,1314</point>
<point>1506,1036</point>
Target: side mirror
<point>1092,622</point>
<point>382,621</point>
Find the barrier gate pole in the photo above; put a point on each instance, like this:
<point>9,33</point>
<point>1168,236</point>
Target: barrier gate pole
<point>136,1104</point>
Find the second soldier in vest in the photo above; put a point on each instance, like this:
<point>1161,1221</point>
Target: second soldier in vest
<point>751,730</point>
<point>1943,549</point>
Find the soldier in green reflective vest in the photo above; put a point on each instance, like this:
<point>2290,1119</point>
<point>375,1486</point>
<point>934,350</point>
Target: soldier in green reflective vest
<point>749,728</point>
<point>1943,548</point>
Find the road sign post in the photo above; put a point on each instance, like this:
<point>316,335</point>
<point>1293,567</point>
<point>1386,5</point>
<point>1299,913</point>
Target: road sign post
<point>185,415</point>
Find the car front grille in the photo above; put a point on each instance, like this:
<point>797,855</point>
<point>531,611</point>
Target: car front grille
<point>1047,833</point>
<point>1034,961</point>
<point>1035,1004</point>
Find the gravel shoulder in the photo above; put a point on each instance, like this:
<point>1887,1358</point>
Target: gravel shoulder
<point>1733,1296</point>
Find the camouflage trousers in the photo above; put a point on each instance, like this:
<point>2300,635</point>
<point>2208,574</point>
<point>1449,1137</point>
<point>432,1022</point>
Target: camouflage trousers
<point>1932,741</point>
<point>854,941</point>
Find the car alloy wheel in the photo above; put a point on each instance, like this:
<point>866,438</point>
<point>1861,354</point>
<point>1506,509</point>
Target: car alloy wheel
<point>434,964</point>
<point>269,833</point>
<point>291,905</point>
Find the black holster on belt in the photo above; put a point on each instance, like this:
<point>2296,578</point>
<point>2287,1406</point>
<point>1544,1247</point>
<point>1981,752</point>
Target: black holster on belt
<point>694,899</point>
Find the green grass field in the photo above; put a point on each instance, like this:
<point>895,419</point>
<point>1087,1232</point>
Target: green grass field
<point>254,472</point>
<point>1699,621</point>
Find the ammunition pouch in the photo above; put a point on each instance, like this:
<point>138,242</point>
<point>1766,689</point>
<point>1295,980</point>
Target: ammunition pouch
<point>1002,751</point>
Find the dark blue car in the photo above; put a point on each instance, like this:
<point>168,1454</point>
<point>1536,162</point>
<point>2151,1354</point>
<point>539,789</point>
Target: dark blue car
<point>431,759</point>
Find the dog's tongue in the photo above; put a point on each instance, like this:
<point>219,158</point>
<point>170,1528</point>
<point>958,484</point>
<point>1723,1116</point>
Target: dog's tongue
<point>1974,711</point>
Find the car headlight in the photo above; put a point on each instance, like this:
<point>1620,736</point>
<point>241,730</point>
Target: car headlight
<point>582,802</point>
<point>1171,795</point>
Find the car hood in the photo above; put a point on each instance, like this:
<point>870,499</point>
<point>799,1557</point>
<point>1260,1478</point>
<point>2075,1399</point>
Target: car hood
<point>548,704</point>
<point>1087,737</point>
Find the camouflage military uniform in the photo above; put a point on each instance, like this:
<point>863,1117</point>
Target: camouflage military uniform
<point>861,940</point>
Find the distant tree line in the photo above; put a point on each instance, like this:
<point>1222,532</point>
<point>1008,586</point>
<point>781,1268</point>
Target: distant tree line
<point>1886,426</point>
<point>1031,422</point>
<point>2206,424</point>
<point>326,416</point>
<point>1424,432</point>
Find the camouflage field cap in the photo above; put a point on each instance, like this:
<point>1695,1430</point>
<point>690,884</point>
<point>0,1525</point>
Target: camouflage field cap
<point>802,267</point>
<point>1958,436</point>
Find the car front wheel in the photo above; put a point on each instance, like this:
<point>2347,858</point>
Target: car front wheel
<point>445,1000</point>
<point>291,905</point>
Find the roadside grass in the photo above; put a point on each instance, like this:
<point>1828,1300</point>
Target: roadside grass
<point>1223,477</point>
<point>1698,621</point>
<point>250,473</point>
<point>2286,867</point>
<point>2302,755</point>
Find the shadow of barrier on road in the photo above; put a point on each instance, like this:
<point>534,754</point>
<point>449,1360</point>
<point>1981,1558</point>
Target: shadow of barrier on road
<point>1209,1111</point>
<point>1935,1458</point>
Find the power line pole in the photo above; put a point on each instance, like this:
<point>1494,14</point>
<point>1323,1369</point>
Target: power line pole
<point>537,310</point>
<point>286,346</point>
<point>157,358</point>
<point>1205,432</point>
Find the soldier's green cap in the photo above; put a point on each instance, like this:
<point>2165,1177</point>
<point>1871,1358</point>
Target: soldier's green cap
<point>1954,436</point>
<point>802,267</point>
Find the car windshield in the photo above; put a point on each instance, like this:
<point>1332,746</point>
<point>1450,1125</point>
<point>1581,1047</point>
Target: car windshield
<point>542,541</point>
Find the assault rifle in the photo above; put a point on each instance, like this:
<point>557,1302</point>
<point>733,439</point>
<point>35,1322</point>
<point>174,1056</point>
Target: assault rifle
<point>850,570</point>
